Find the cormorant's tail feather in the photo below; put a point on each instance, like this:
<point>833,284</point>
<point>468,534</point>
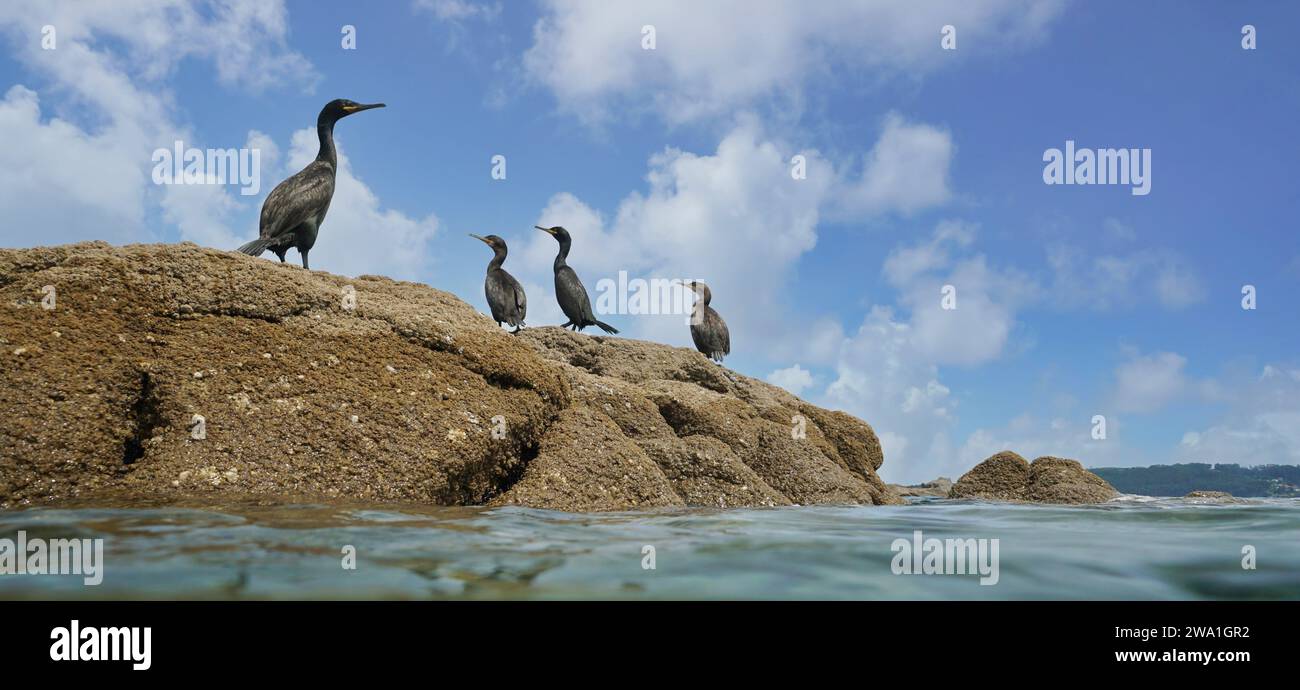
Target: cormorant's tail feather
<point>257,246</point>
<point>606,327</point>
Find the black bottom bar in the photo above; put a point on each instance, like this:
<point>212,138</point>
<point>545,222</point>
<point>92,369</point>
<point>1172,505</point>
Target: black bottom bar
<point>1050,641</point>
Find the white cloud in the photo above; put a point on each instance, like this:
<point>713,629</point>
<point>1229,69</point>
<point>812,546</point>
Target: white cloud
<point>55,176</point>
<point>1147,383</point>
<point>734,218</point>
<point>245,40</point>
<point>109,68</point>
<point>714,57</point>
<point>795,379</point>
<point>985,298</point>
<point>883,378</point>
<point>1261,426</point>
<point>905,171</point>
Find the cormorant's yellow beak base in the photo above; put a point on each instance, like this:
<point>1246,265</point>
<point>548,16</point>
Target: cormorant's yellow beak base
<point>480,238</point>
<point>545,230</point>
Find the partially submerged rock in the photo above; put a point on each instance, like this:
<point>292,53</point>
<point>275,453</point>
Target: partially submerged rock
<point>1208,494</point>
<point>1008,477</point>
<point>319,387</point>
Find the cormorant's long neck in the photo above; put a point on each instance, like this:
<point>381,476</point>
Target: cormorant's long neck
<point>325,130</point>
<point>564,253</point>
<point>498,258</point>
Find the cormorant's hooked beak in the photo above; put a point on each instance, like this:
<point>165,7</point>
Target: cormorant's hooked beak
<point>349,109</point>
<point>484,240</point>
<point>545,230</point>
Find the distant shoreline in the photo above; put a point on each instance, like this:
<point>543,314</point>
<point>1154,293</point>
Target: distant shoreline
<point>1256,481</point>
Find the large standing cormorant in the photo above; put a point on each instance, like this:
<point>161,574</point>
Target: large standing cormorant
<point>505,295</point>
<point>294,210</point>
<point>708,330</point>
<point>569,291</point>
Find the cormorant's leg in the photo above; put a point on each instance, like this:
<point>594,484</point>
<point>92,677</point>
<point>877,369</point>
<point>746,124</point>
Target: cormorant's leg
<point>304,258</point>
<point>518,328</point>
<point>566,324</point>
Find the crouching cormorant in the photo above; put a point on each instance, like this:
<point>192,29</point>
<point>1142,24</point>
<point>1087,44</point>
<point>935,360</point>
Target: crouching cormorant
<point>294,210</point>
<point>505,295</point>
<point>569,291</point>
<point>708,330</point>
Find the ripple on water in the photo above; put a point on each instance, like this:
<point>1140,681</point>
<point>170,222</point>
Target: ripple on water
<point>1131,548</point>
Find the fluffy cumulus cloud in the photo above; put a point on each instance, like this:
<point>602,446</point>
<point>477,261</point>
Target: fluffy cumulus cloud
<point>734,218</point>
<point>906,170</point>
<point>880,376</point>
<point>112,62</point>
<point>963,309</point>
<point>737,219</point>
<point>54,176</point>
<point>713,57</point>
<point>888,371</point>
<point>795,379</point>
<point>109,66</point>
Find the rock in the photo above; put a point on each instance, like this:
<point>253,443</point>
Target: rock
<point>940,487</point>
<point>1002,477</point>
<point>409,395</point>
<point>1008,477</point>
<point>1208,494</point>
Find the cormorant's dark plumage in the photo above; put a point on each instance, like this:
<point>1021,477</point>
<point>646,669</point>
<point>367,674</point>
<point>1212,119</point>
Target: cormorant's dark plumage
<point>294,210</point>
<point>708,330</point>
<point>569,291</point>
<point>505,295</point>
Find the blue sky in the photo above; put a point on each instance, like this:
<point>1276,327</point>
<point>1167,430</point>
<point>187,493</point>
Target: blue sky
<point>925,169</point>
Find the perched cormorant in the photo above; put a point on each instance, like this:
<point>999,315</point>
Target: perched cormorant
<point>504,294</point>
<point>294,210</point>
<point>708,330</point>
<point>569,291</point>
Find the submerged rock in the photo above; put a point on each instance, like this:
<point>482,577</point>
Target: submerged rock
<point>168,373</point>
<point>1008,477</point>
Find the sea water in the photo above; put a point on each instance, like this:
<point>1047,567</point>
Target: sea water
<point>1131,548</point>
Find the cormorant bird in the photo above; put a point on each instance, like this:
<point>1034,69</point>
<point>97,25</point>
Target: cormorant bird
<point>294,210</point>
<point>708,330</point>
<point>504,294</point>
<point>569,291</point>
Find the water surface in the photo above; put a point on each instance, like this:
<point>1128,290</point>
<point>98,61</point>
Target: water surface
<point>1132,548</point>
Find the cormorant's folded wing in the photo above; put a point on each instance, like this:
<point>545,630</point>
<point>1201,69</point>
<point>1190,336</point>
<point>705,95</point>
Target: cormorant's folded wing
<point>296,200</point>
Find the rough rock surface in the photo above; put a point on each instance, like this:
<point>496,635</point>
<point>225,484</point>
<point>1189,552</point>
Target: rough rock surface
<point>1008,477</point>
<point>939,487</point>
<point>406,395</point>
